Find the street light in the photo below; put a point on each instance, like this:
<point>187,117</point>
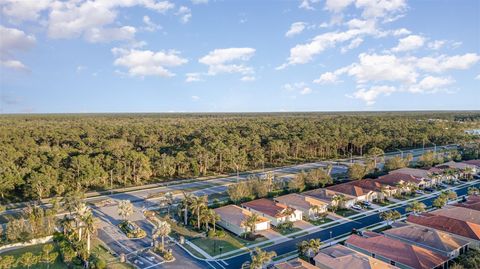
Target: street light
<point>331,238</point>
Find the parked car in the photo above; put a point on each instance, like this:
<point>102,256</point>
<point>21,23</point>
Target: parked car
<point>419,192</point>
<point>357,207</point>
<point>429,189</point>
<point>367,203</point>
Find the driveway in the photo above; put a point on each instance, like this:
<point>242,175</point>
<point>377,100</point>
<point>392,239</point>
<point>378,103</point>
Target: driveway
<point>270,234</point>
<point>301,224</point>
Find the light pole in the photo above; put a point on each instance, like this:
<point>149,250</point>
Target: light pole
<point>331,238</point>
<point>401,152</point>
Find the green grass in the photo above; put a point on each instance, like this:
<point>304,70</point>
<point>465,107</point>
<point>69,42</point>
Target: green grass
<point>228,243</point>
<point>36,250</point>
<point>344,212</point>
<point>320,221</point>
<point>286,231</point>
<point>112,262</point>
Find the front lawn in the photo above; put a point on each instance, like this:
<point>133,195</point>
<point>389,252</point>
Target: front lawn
<point>320,221</point>
<point>228,243</point>
<point>285,231</point>
<point>35,250</point>
<point>345,212</point>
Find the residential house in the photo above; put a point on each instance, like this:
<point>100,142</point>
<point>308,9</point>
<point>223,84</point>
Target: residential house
<point>396,252</point>
<point>294,264</point>
<point>424,177</point>
<point>382,190</point>
<point>232,218</point>
<point>475,163</point>
<point>473,202</point>
<point>461,169</point>
<point>360,194</point>
<point>400,181</point>
<point>310,206</point>
<point>460,213</point>
<point>277,213</point>
<point>329,197</point>
<point>464,229</point>
<point>341,257</point>
<point>446,244</point>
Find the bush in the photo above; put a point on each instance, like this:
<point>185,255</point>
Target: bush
<point>211,234</point>
<point>221,233</point>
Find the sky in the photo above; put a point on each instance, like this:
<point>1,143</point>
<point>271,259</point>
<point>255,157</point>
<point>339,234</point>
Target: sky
<point>80,56</point>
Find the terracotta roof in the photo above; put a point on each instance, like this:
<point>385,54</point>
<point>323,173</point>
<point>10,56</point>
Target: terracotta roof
<point>324,194</point>
<point>419,173</point>
<point>454,165</point>
<point>394,179</point>
<point>461,213</point>
<point>349,189</point>
<point>473,162</point>
<point>425,236</point>
<point>398,251</point>
<point>446,224</point>
<point>236,215</point>
<point>341,257</point>
<point>295,264</point>
<point>473,202</point>
<point>300,202</point>
<point>267,207</point>
<point>370,184</point>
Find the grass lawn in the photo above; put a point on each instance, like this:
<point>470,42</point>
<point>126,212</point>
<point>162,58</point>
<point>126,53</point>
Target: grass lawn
<point>103,253</point>
<point>286,231</point>
<point>345,212</point>
<point>228,243</point>
<point>180,230</point>
<point>384,203</point>
<point>320,221</point>
<point>36,250</point>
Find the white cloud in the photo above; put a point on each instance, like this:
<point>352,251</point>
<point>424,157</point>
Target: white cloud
<point>370,95</point>
<point>443,63</point>
<point>401,31</point>
<point>147,63</point>
<point>410,42</point>
<point>477,77</point>
<point>195,97</point>
<point>306,91</point>
<point>381,8</point>
<point>353,44</point>
<point>307,4</point>
<point>80,68</point>
<point>184,13</point>
<point>296,28</point>
<point>223,60</point>
<point>150,26</point>
<point>297,87</point>
<point>327,78</point>
<point>431,84</point>
<point>197,2</point>
<point>14,40</point>
<point>79,18</point>
<point>247,78</point>
<point>373,67</point>
<point>20,10</point>
<point>337,5</point>
<point>437,44</point>
<point>100,35</point>
<point>193,77</point>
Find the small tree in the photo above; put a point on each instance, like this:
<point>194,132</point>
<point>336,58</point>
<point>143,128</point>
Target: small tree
<point>357,171</point>
<point>416,207</point>
<point>163,229</point>
<point>27,259</point>
<point>261,258</point>
<point>125,209</point>
<point>376,154</point>
<point>251,222</point>
<point>439,202</point>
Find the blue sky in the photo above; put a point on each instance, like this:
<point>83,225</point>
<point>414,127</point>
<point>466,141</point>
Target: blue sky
<point>227,56</point>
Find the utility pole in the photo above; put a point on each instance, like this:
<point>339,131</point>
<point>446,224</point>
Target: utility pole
<point>111,181</point>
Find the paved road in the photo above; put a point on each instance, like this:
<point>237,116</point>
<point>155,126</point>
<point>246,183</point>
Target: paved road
<point>337,230</point>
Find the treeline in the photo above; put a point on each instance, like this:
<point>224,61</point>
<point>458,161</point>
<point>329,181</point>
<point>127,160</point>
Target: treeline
<point>44,155</point>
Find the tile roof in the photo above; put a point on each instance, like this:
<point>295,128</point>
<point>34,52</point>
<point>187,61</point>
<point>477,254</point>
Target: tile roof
<point>267,207</point>
<point>341,257</point>
<point>324,194</point>
<point>394,179</point>
<point>473,202</point>
<point>300,201</point>
<point>455,165</point>
<point>421,173</point>
<point>349,189</point>
<point>398,251</point>
<point>460,213</point>
<point>295,264</point>
<point>235,215</point>
<point>370,184</point>
<point>446,224</point>
<point>425,236</point>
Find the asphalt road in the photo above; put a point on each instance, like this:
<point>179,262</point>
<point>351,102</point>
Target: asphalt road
<point>338,230</point>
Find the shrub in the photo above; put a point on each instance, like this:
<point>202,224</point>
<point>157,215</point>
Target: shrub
<point>221,233</point>
<point>211,234</point>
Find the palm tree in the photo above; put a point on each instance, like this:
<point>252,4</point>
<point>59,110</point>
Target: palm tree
<point>187,198</point>
<point>310,248</point>
<point>386,216</point>
<point>169,197</point>
<point>261,258</point>
<point>473,191</point>
<point>315,209</point>
<point>125,209</point>
<point>251,221</point>
<point>211,216</point>
<point>384,192</point>
<point>161,230</point>
<point>196,205</point>
<point>416,207</point>
<point>395,215</point>
<point>339,199</point>
<point>289,212</point>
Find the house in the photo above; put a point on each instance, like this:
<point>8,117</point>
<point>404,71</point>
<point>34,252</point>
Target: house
<point>475,163</point>
<point>400,181</point>
<point>464,229</point>
<point>473,202</point>
<point>232,218</point>
<point>460,213</point>
<point>359,193</point>
<point>329,197</point>
<point>277,213</point>
<point>381,190</point>
<point>458,169</point>
<point>310,206</point>
<point>446,244</point>
<point>396,252</point>
<point>294,264</point>
<point>341,257</point>
<point>423,177</point>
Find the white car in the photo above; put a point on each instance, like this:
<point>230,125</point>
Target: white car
<point>356,207</point>
<point>419,192</point>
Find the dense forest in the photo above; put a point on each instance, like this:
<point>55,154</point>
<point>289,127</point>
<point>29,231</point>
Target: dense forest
<point>43,155</point>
